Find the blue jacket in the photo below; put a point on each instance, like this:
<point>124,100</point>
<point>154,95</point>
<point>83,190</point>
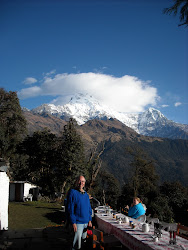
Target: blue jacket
<point>78,206</point>
<point>136,211</point>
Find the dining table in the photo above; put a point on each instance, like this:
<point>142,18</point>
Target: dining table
<point>135,238</point>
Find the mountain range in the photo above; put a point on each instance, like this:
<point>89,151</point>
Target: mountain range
<point>170,156</point>
<point>84,107</point>
<point>97,126</point>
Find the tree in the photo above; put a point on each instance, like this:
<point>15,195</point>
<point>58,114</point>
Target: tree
<point>94,164</point>
<point>52,162</point>
<point>40,167</point>
<point>106,188</point>
<point>177,196</point>
<point>159,208</point>
<point>143,181</point>
<point>182,7</point>
<point>71,157</point>
<point>12,123</point>
<point>144,178</point>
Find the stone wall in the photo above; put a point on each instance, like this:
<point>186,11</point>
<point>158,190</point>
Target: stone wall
<point>4,199</point>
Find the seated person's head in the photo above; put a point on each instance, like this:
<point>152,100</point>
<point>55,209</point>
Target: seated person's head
<point>136,201</point>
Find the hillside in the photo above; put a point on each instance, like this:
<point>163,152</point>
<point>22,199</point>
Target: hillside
<point>38,122</point>
<point>170,156</point>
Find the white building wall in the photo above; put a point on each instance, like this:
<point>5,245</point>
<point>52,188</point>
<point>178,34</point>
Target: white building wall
<point>27,187</point>
<point>4,198</point>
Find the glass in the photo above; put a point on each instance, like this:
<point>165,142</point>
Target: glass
<point>172,237</point>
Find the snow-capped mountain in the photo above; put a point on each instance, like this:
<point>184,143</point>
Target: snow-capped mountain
<point>84,107</point>
<point>81,107</point>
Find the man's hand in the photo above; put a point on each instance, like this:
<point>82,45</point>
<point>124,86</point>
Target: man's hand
<point>74,227</point>
<point>90,224</point>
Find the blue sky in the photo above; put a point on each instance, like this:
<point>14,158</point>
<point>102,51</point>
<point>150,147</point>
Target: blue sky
<point>126,53</point>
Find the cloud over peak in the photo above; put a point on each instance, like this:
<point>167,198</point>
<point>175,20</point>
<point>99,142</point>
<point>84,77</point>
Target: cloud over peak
<point>125,94</point>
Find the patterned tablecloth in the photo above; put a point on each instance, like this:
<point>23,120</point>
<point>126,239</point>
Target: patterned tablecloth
<point>134,238</point>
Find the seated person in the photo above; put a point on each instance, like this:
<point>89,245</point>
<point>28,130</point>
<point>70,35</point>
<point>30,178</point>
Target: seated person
<point>136,208</point>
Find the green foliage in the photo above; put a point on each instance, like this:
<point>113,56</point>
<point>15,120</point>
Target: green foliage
<point>169,157</point>
<point>177,197</point>
<point>106,189</point>
<point>144,178</point>
<point>40,154</point>
<point>49,161</point>
<point>71,157</point>
<point>19,167</point>
<point>116,161</point>
<point>168,202</point>
<point>171,203</point>
<point>126,196</point>
<point>180,6</point>
<point>12,123</point>
<point>175,192</point>
<point>161,209</point>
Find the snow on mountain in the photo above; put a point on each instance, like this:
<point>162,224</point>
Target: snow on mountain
<point>149,119</point>
<point>84,107</point>
<point>81,107</point>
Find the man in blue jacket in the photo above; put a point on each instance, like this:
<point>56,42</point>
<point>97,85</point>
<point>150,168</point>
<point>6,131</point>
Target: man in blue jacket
<point>80,212</point>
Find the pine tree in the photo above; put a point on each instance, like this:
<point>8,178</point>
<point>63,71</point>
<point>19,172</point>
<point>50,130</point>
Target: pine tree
<point>144,178</point>
<point>71,157</point>
<point>143,181</point>
<point>12,123</point>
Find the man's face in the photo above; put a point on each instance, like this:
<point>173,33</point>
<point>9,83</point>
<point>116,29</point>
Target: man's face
<point>81,182</point>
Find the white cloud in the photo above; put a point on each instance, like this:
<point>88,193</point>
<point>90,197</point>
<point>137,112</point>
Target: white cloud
<point>52,72</point>
<point>125,94</point>
<point>164,105</point>
<point>177,104</point>
<point>29,92</point>
<point>100,70</point>
<point>30,80</point>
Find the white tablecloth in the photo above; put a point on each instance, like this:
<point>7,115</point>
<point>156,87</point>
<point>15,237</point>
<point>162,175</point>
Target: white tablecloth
<point>134,238</point>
